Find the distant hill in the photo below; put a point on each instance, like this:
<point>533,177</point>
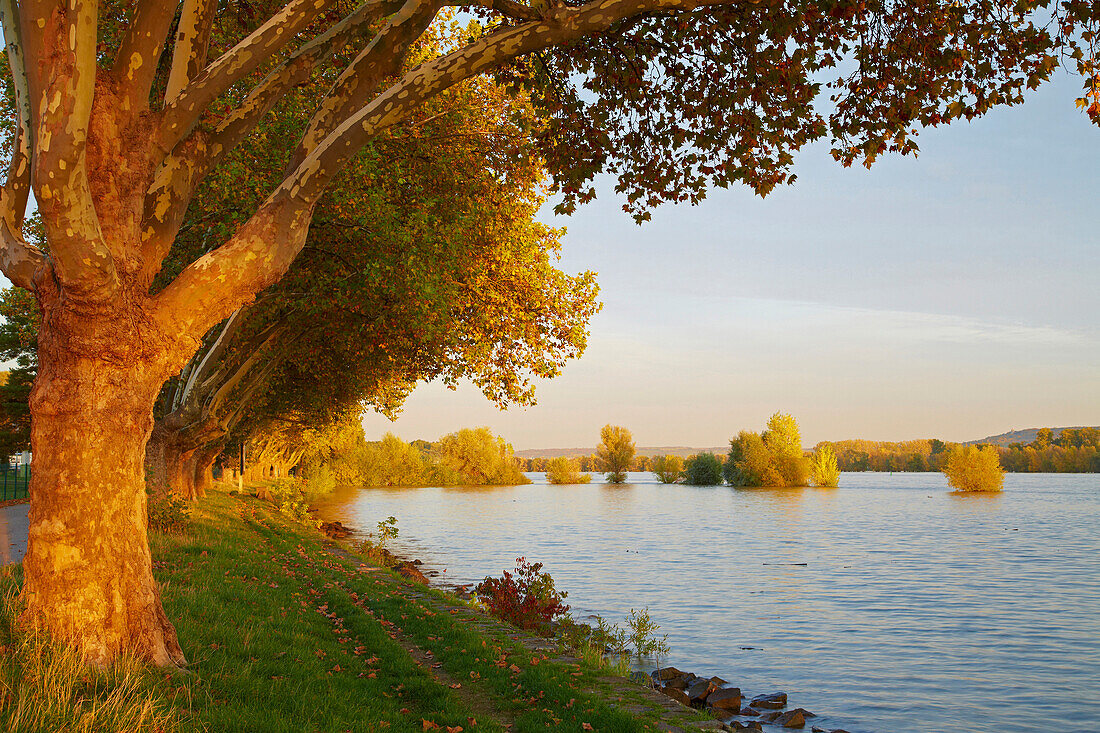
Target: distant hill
<point>660,450</point>
<point>1021,436</point>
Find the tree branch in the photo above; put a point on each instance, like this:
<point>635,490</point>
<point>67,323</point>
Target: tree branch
<point>67,66</point>
<point>262,250</point>
<point>561,26</point>
<point>382,58</point>
<point>136,62</point>
<point>514,10</point>
<point>179,175</point>
<point>183,112</point>
<point>14,195</point>
<point>19,260</point>
<point>191,46</point>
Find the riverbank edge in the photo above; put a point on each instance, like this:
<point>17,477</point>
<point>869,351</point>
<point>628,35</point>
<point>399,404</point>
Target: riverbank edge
<point>264,606</point>
<point>751,714</point>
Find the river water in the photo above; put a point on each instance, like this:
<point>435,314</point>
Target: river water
<point>885,606</point>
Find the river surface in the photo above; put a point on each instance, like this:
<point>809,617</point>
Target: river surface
<point>888,605</point>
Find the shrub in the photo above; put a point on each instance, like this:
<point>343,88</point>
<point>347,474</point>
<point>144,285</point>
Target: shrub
<point>287,496</point>
<point>525,598</point>
<point>668,469</point>
<point>563,470</point>
<point>970,468</point>
<point>167,514</point>
<point>823,468</point>
<point>749,463</point>
<point>318,478</point>
<point>703,470</point>
<point>478,458</point>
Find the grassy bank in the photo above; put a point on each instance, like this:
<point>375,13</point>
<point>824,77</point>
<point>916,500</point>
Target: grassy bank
<point>284,631</point>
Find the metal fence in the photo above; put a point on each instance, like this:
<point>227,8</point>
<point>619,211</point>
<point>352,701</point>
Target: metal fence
<point>14,480</point>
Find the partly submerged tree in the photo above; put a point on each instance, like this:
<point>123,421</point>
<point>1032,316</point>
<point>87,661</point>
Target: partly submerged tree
<point>668,469</point>
<point>703,469</point>
<point>974,468</point>
<point>563,470</point>
<point>823,468</point>
<point>784,443</point>
<point>115,133</point>
<point>475,457</point>
<point>615,453</point>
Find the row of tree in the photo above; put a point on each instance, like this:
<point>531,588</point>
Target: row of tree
<point>342,456</point>
<point>771,458</point>
<point>1073,450</point>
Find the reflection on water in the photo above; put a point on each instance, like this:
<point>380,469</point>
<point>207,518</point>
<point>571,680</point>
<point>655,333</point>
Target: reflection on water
<point>916,609</point>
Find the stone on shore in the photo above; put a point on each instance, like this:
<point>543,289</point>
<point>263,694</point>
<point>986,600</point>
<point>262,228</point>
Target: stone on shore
<point>727,698</point>
<point>749,711</point>
<point>677,695</point>
<point>408,570</point>
<point>746,725</point>
<point>791,719</point>
<point>336,530</point>
<point>699,691</point>
<point>774,701</point>
<point>667,673</point>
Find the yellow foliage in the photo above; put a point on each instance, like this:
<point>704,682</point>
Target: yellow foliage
<point>823,468</point>
<point>562,470</point>
<point>971,468</point>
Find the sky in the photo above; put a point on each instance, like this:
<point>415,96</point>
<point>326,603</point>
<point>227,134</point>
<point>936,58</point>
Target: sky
<point>953,295</point>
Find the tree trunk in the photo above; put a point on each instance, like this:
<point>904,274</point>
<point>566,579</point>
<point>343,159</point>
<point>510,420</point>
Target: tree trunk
<point>88,577</point>
<point>180,465</point>
<point>204,465</point>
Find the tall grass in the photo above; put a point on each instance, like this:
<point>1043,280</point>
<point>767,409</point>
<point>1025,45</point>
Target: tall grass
<point>47,687</point>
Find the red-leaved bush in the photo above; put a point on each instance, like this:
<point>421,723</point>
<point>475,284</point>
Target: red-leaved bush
<point>525,598</point>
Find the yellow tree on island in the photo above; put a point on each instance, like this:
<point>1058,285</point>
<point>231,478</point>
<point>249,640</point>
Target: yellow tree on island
<point>970,468</point>
<point>615,453</point>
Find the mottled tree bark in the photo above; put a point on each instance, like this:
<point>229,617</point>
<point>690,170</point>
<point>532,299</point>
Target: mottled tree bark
<point>88,572</point>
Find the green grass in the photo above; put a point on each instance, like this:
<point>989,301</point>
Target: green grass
<point>283,632</point>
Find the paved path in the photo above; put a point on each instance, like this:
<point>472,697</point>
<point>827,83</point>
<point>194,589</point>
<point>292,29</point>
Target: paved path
<point>13,533</point>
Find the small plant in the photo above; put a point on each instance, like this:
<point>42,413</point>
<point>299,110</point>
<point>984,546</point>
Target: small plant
<point>603,646</point>
<point>525,597</point>
<point>643,636</point>
<point>387,530</point>
<point>167,514</point>
<point>374,549</point>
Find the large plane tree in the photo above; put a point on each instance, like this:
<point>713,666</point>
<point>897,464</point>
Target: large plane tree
<point>670,96</point>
